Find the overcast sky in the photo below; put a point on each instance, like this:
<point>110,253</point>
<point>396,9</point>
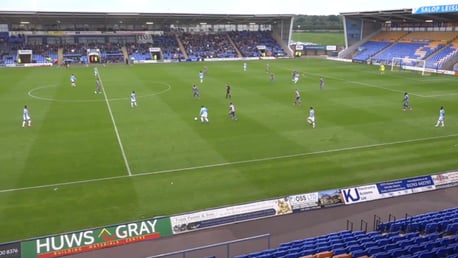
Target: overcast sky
<point>309,7</point>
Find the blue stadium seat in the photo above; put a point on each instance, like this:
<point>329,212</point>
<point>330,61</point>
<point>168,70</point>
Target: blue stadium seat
<point>443,251</point>
<point>397,252</point>
<point>429,245</point>
<point>426,254</point>
<point>353,248</point>
<point>358,253</point>
<point>412,227</point>
<point>294,250</point>
<point>452,229</point>
<point>395,227</point>
<point>381,255</point>
<point>382,242</point>
<point>369,244</point>
<point>411,235</point>
<point>433,236</point>
<point>338,251</point>
<point>373,250</point>
<point>292,255</point>
<point>396,238</point>
<point>377,237</point>
<point>392,246</point>
<point>437,243</point>
<point>305,252</point>
<point>420,239</point>
<point>322,248</point>
<point>414,248</point>
<point>337,246</point>
<point>280,253</point>
<point>405,242</point>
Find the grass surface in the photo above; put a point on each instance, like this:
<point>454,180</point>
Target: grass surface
<point>320,38</point>
<point>362,136</point>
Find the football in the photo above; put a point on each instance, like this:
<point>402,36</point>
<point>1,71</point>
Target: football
<point>195,118</point>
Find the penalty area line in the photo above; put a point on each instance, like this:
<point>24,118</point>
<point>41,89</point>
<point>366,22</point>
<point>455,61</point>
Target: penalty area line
<point>224,164</point>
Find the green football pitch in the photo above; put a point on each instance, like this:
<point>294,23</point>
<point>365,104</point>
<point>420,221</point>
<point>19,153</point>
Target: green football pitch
<point>91,160</point>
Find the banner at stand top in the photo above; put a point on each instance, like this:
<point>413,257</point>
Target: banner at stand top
<point>450,8</point>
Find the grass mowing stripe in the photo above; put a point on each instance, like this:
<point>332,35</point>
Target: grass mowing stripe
<point>118,137</point>
<point>232,163</point>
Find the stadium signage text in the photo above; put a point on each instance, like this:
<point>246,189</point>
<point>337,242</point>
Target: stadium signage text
<point>11,250</point>
<point>360,194</point>
<point>88,240</point>
<point>231,214</point>
<point>451,8</point>
<point>302,202</point>
<point>406,186</point>
<point>448,179</point>
<point>90,237</point>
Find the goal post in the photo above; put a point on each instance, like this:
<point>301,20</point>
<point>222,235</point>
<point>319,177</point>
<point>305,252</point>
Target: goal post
<point>404,63</point>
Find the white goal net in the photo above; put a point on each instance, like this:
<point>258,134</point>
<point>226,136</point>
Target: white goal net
<point>403,63</point>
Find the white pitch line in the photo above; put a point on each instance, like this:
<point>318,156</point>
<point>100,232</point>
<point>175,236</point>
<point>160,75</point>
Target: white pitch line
<point>370,85</point>
<point>168,87</point>
<point>387,89</point>
<point>228,163</point>
<point>124,156</point>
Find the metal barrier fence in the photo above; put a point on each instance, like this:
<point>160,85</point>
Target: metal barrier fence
<point>222,249</point>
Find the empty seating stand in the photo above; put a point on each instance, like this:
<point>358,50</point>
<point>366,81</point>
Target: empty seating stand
<point>432,235</point>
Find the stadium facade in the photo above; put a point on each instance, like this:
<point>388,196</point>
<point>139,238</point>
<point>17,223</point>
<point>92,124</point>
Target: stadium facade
<point>113,37</point>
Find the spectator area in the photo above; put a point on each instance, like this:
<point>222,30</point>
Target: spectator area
<point>434,47</point>
<point>431,235</point>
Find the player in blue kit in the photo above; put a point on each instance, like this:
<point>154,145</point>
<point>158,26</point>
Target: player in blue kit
<point>98,87</point>
<point>26,117</point>
<point>440,120</point>
<point>406,102</point>
<point>311,118</point>
<point>201,77</point>
<point>204,114</point>
<point>73,80</point>
<point>232,111</point>
<point>133,99</point>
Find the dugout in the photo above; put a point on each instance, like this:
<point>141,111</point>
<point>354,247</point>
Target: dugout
<point>94,56</point>
<point>24,56</point>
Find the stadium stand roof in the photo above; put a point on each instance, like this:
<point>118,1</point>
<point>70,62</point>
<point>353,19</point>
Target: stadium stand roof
<point>401,15</point>
<point>160,19</point>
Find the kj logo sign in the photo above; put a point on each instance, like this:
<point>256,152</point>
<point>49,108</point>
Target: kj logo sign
<point>360,194</point>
